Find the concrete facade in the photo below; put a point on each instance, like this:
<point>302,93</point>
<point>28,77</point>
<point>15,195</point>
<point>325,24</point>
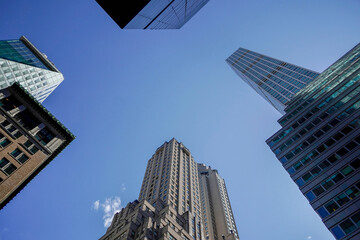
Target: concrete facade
<point>30,137</point>
<point>218,218</point>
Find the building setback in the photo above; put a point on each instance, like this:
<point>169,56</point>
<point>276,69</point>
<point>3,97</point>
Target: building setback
<point>171,192</point>
<point>30,138</point>
<point>151,14</point>
<point>275,80</point>
<point>319,144</point>
<point>22,62</point>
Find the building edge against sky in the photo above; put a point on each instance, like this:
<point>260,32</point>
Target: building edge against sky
<point>275,80</point>
<point>151,14</point>
<point>22,62</point>
<point>30,138</point>
<point>173,201</point>
<point>319,144</point>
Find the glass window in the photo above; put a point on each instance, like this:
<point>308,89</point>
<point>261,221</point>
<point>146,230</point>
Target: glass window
<point>44,136</point>
<point>356,219</point>
<point>347,226</point>
<point>331,206</point>
<point>352,192</point>
<point>310,196</point>
<point>342,199</point>
<point>347,170</point>
<point>322,212</point>
<point>318,190</point>
<point>337,232</point>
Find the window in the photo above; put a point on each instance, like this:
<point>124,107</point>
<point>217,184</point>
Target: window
<point>44,136</point>
<point>19,155</point>
<point>6,166</point>
<point>27,120</point>
<point>4,141</point>
<point>31,146</point>
<point>9,103</point>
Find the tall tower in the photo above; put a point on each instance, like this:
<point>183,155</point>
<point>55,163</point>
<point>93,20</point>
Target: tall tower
<point>171,204</point>
<point>218,218</point>
<point>319,144</point>
<point>152,14</point>
<point>22,62</point>
<point>275,80</point>
<point>172,176</point>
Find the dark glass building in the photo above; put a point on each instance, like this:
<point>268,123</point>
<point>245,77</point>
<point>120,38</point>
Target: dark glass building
<point>319,144</point>
<point>275,80</point>
<point>151,14</point>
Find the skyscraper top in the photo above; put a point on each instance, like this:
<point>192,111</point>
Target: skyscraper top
<point>275,80</point>
<point>152,14</point>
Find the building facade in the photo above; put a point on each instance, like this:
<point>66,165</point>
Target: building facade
<point>171,192</point>
<point>218,218</point>
<point>319,144</point>
<point>22,62</point>
<point>275,80</point>
<point>147,221</point>
<point>152,14</point>
<point>30,137</point>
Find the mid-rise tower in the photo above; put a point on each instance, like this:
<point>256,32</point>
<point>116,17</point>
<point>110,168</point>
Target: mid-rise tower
<point>30,138</point>
<point>275,80</point>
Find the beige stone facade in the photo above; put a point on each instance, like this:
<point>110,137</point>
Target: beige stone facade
<point>218,218</point>
<point>30,137</point>
<point>146,221</point>
<point>172,201</point>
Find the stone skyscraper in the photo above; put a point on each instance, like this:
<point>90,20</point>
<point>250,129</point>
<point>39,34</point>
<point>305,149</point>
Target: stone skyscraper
<point>170,201</point>
<point>217,216</point>
<point>275,80</point>
<point>22,62</point>
<point>152,14</point>
<point>319,144</point>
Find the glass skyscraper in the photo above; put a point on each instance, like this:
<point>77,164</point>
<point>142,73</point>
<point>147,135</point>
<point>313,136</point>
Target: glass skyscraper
<point>275,80</point>
<point>319,144</point>
<point>152,14</point>
<point>22,62</point>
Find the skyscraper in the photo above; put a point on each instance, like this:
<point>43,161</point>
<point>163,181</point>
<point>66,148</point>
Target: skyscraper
<point>174,200</point>
<point>275,80</point>
<point>22,62</point>
<point>319,144</point>
<point>30,138</point>
<point>152,14</point>
<point>217,214</point>
<point>172,176</point>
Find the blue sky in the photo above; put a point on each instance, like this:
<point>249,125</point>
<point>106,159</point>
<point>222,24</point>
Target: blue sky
<point>127,91</point>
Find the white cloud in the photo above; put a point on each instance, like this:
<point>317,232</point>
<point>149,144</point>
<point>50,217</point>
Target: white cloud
<point>309,237</point>
<point>109,208</point>
<point>96,205</point>
<point>123,188</point>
